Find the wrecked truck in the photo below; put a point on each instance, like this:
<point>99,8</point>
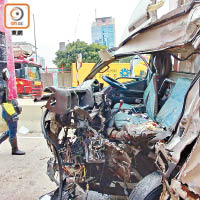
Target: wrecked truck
<point>107,140</point>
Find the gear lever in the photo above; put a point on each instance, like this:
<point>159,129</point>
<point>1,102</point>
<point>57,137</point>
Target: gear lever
<point>120,104</point>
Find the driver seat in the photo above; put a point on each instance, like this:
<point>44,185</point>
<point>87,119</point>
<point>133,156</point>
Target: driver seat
<point>138,107</point>
<point>160,63</point>
<point>150,100</point>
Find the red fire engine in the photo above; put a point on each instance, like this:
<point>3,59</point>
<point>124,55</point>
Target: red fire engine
<point>28,77</point>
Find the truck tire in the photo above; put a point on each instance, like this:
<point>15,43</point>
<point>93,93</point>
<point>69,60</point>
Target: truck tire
<point>149,188</point>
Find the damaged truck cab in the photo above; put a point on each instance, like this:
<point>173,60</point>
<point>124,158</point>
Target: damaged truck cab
<point>105,140</point>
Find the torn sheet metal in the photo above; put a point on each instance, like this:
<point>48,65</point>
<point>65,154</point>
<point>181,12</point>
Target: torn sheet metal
<point>189,126</point>
<point>190,173</point>
<point>187,131</point>
<point>177,191</point>
<point>118,161</point>
<point>148,23</point>
<point>185,185</point>
<point>172,33</point>
<point>176,29</point>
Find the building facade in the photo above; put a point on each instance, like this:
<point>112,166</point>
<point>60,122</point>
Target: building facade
<point>103,31</point>
<point>62,46</point>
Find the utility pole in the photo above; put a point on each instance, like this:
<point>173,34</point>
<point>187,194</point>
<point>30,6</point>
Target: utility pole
<point>95,13</point>
<point>35,37</point>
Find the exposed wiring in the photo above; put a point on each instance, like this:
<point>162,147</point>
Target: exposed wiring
<point>46,135</point>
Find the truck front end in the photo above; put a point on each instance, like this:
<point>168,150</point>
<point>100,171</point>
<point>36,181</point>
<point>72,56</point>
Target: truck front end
<point>28,79</point>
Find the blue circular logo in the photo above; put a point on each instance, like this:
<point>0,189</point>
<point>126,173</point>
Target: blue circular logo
<point>124,72</point>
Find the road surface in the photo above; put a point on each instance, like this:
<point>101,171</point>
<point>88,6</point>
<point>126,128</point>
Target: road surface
<point>24,177</point>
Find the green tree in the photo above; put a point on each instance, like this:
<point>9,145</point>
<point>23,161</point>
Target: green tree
<point>126,60</point>
<point>67,57</point>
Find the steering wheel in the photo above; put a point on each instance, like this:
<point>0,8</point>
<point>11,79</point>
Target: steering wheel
<point>112,82</point>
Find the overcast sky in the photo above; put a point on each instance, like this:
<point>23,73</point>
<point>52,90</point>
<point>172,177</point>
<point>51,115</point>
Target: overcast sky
<point>69,20</point>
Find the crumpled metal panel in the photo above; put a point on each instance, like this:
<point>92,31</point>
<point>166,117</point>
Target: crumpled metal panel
<point>189,126</point>
<point>169,154</point>
<point>176,191</point>
<point>172,33</point>
<point>138,17</point>
<point>190,173</point>
<point>118,161</point>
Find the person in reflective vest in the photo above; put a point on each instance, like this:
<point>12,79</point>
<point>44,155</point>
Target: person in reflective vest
<point>8,91</point>
<point>10,112</point>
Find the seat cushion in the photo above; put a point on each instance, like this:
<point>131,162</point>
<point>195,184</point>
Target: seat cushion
<point>171,110</point>
<point>122,119</point>
<point>149,98</point>
<point>150,102</point>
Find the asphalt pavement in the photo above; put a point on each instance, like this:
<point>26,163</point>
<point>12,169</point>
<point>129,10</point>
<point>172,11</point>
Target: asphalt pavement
<point>24,177</point>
